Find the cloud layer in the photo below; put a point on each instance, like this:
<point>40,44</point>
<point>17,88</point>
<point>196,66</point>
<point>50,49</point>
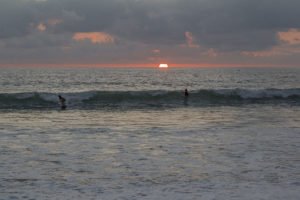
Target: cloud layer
<point>150,31</point>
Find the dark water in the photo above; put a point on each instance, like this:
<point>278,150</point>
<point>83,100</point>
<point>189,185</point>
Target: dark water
<point>130,134</point>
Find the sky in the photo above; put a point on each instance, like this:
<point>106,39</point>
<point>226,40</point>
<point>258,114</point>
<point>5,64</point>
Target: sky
<point>148,32</point>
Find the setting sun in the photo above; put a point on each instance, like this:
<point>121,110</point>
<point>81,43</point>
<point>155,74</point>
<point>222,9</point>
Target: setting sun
<point>163,66</point>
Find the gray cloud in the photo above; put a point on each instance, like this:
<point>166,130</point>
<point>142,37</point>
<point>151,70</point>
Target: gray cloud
<point>225,26</point>
<point>15,18</point>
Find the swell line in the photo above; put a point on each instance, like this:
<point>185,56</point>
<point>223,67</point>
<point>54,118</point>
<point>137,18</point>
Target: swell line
<point>150,98</point>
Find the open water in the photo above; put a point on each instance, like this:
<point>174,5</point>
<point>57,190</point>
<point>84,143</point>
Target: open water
<point>131,134</point>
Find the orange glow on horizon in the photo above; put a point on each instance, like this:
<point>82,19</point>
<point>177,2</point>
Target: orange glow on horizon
<point>163,65</point>
<point>137,65</point>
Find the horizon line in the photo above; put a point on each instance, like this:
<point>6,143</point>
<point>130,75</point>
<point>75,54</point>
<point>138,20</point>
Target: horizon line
<point>142,65</point>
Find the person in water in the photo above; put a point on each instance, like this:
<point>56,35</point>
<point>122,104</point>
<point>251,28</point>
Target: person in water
<point>62,102</point>
<point>186,93</point>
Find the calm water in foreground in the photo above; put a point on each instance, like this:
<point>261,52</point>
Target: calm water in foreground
<point>131,134</point>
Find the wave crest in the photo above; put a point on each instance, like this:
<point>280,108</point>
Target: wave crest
<point>98,99</point>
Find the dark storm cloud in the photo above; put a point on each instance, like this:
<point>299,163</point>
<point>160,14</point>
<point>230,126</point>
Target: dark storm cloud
<point>224,25</point>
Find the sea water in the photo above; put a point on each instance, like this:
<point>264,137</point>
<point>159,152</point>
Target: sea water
<point>131,133</point>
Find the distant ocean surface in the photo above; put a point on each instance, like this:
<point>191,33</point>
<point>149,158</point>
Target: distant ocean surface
<point>131,133</point>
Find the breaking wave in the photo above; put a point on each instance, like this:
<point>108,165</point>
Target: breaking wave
<point>144,99</point>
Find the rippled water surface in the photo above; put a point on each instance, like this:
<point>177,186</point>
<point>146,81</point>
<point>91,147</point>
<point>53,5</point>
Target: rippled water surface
<point>78,80</point>
<point>212,151</point>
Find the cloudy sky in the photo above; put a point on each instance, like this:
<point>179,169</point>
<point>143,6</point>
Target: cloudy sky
<point>147,32</point>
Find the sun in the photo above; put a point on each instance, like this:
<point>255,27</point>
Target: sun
<point>163,66</point>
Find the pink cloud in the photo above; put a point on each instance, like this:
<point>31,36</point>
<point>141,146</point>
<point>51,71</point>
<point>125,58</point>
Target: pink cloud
<point>156,51</point>
<point>281,50</point>
<point>289,46</point>
<point>292,36</point>
<point>41,27</point>
<point>190,40</point>
<point>94,37</point>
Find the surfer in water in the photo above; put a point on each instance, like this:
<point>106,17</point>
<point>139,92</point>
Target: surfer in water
<point>186,93</point>
<point>62,102</point>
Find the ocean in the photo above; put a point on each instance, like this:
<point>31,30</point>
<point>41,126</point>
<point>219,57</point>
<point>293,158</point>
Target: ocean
<point>132,134</point>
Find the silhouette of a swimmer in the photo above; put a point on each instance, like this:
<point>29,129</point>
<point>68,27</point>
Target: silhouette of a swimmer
<point>186,93</point>
<point>62,102</point>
